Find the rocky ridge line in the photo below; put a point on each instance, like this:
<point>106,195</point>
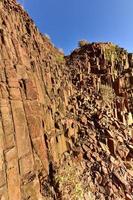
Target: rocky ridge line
<point>66,122</point>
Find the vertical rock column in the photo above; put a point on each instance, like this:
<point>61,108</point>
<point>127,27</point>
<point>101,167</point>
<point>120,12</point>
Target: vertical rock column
<point>18,140</point>
<point>10,152</point>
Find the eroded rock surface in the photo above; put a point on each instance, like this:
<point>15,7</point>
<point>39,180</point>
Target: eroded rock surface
<point>65,122</point>
<point>102,105</point>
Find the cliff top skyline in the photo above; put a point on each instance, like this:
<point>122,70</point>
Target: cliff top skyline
<point>66,122</point>
<point>68,22</point>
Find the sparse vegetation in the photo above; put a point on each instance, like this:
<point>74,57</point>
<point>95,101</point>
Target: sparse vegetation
<point>69,183</point>
<point>107,93</point>
<point>71,186</point>
<point>60,59</point>
<point>82,43</point>
<point>113,52</point>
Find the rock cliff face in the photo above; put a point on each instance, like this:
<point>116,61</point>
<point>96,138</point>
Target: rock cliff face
<point>65,122</point>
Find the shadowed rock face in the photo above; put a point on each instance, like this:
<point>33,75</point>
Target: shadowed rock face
<point>62,119</point>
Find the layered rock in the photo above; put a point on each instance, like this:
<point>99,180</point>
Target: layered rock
<point>32,95</point>
<point>102,104</point>
<point>66,123</point>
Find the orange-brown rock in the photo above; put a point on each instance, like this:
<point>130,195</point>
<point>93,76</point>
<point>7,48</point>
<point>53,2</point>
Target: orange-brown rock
<point>66,123</point>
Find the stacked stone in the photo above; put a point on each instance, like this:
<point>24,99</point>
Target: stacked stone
<point>104,137</point>
<point>33,98</point>
<point>49,107</point>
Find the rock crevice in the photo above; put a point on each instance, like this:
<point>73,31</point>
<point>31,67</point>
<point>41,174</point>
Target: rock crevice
<point>62,118</point>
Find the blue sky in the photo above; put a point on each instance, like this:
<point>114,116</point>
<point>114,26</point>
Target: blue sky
<point>68,21</point>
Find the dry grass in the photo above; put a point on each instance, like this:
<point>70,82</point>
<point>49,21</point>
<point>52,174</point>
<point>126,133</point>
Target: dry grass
<point>71,185</point>
<point>107,94</point>
<point>82,43</point>
<point>60,59</point>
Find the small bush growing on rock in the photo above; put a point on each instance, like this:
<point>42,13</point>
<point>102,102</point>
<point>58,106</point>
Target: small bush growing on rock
<point>82,43</point>
<point>69,183</point>
<point>107,93</point>
<point>113,52</point>
<point>60,59</point>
